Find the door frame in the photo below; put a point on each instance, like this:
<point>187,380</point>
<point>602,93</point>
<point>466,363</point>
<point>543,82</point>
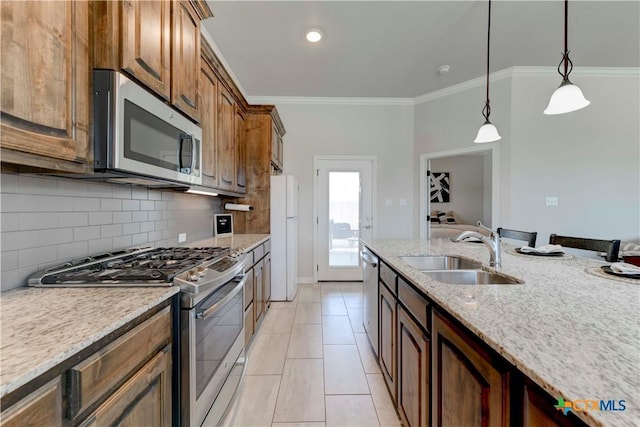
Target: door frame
<point>316,203</point>
<point>495,180</point>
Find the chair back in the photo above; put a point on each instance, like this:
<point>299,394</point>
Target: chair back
<point>527,236</point>
<point>610,247</point>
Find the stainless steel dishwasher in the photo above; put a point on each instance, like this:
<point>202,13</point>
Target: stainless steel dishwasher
<point>370,299</point>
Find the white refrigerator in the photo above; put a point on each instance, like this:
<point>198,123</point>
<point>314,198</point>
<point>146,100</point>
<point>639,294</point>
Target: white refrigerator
<point>284,237</point>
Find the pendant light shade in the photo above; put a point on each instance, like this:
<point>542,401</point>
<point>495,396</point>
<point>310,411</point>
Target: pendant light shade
<point>488,132</point>
<point>568,97</point>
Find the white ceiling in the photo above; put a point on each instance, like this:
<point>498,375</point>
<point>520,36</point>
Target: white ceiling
<point>394,48</point>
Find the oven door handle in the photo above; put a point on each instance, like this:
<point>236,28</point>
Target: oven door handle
<point>204,314</point>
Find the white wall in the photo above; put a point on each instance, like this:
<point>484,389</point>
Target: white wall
<point>450,119</point>
<point>466,175</point>
<point>589,159</point>
<point>385,131</point>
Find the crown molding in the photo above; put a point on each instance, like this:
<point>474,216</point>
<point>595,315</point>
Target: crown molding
<point>461,87</point>
<point>223,61</point>
<point>305,100</point>
<point>578,71</point>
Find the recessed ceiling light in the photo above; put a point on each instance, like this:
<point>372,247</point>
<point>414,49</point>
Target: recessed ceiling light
<point>314,35</point>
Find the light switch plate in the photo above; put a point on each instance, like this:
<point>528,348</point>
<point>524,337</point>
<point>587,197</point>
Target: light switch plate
<point>182,237</point>
<point>388,202</point>
<point>403,202</point>
<point>551,201</point>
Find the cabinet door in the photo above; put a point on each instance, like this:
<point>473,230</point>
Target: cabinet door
<point>274,145</point>
<point>258,287</point>
<point>387,351</point>
<point>144,400</point>
<point>538,410</point>
<point>186,59</point>
<point>241,152</point>
<point>267,281</point>
<point>42,407</point>
<point>470,389</point>
<point>413,372</point>
<point>249,324</point>
<point>226,140</point>
<point>45,84</point>
<point>146,38</point>
<point>208,95</point>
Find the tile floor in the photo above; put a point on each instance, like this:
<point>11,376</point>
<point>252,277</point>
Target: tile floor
<point>310,364</point>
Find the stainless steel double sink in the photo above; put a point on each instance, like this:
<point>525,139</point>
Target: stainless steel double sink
<point>456,270</point>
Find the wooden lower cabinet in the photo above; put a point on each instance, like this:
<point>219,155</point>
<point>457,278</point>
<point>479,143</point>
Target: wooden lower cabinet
<point>43,407</point>
<point>413,372</point>
<point>470,388</point>
<point>258,290</point>
<point>266,273</point>
<point>249,324</point>
<point>144,400</point>
<point>538,410</point>
<point>387,354</point>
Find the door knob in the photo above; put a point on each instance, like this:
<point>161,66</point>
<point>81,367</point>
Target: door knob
<point>366,227</point>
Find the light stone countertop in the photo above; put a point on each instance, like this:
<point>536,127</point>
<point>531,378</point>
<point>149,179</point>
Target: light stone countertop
<point>575,334</point>
<point>234,241</point>
<point>42,327</point>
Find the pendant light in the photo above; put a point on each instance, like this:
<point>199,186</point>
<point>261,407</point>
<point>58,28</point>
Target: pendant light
<point>487,132</point>
<point>568,97</point>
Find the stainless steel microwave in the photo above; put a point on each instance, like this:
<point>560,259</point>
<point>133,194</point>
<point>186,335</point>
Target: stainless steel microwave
<point>139,139</point>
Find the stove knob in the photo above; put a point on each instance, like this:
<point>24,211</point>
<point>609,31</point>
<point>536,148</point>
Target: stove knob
<point>193,276</point>
<point>202,271</point>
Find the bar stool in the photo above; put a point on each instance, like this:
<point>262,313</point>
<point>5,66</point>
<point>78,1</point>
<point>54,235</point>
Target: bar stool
<point>526,236</point>
<point>610,247</point>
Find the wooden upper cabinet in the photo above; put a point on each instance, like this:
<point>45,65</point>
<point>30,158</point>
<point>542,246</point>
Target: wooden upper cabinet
<point>45,84</point>
<point>186,59</point>
<point>470,387</point>
<point>241,152</point>
<point>226,140</point>
<point>146,38</point>
<point>208,94</point>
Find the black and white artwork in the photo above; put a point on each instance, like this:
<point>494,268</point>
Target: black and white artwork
<point>439,187</point>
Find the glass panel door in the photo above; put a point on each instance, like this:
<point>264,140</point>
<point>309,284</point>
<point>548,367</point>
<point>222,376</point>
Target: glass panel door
<point>344,218</point>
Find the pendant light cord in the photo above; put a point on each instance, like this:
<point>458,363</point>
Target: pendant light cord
<point>568,65</point>
<point>486,111</point>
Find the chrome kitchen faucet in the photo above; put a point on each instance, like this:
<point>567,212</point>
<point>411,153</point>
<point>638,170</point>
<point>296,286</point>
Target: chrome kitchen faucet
<point>492,242</point>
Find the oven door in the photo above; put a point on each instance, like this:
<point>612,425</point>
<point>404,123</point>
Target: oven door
<point>211,345</point>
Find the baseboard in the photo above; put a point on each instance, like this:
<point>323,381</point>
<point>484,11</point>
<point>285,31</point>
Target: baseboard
<point>305,280</point>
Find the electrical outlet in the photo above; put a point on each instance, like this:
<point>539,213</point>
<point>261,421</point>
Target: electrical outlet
<point>388,202</point>
<point>551,201</point>
<point>403,202</point>
<point>182,237</point>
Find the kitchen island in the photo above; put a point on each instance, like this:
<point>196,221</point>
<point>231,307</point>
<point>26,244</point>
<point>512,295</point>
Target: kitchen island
<point>569,329</point>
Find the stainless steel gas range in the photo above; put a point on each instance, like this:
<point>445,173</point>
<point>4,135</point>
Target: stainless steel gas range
<point>211,327</point>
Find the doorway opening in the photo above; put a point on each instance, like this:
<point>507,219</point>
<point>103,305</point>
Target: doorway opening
<point>472,187</point>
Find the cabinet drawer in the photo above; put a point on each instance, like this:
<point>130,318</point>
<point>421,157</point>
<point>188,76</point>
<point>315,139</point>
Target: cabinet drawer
<point>258,253</point>
<point>267,246</point>
<point>102,372</point>
<point>414,302</point>
<point>388,277</point>
<point>42,407</point>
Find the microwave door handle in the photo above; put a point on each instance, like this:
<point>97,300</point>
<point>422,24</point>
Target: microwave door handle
<point>184,137</point>
<point>203,314</point>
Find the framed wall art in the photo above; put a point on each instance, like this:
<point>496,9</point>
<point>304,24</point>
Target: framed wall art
<point>439,187</point>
